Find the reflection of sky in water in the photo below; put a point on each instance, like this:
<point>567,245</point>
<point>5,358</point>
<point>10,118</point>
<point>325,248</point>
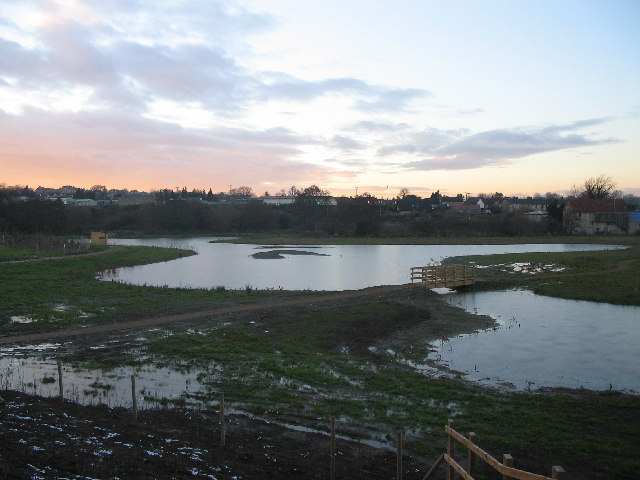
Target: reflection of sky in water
<point>547,341</point>
<point>26,374</point>
<point>346,267</point>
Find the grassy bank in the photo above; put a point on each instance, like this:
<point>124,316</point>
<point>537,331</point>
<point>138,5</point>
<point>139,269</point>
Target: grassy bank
<point>52,294</point>
<point>265,239</point>
<point>611,276</point>
<point>8,254</point>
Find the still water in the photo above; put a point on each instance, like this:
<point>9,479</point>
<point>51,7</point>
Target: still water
<point>539,341</point>
<point>154,385</point>
<point>324,267</point>
<point>544,341</point>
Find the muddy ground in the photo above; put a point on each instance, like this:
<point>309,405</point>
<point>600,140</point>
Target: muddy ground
<point>44,438</point>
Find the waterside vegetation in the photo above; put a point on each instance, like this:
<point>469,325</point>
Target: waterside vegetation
<point>610,276</point>
<point>361,360</point>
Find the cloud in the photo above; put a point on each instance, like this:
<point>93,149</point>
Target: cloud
<point>448,150</point>
<point>347,144</point>
<point>368,97</point>
<point>106,144</point>
<point>131,55</point>
<point>20,63</point>
<point>473,111</point>
<point>185,73</point>
<point>424,142</point>
<point>377,126</point>
<point>392,99</point>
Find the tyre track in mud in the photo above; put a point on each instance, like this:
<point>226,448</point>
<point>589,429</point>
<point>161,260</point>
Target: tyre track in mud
<point>72,333</point>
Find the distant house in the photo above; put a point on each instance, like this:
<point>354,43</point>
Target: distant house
<point>413,203</point>
<point>68,191</point>
<point>477,200</point>
<point>529,204</point>
<point>81,202</point>
<point>587,216</point>
<point>634,223</point>
<point>465,208</point>
<point>278,200</point>
<point>451,201</point>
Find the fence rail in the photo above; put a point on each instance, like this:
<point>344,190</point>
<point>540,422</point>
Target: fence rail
<point>474,452</point>
<point>438,276</point>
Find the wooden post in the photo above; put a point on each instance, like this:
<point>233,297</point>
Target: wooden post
<point>471,457</point>
<point>450,450</point>
<point>507,461</point>
<point>557,472</point>
<point>333,448</point>
<point>399,469</point>
<point>134,398</point>
<point>61,394</point>
<point>222,432</point>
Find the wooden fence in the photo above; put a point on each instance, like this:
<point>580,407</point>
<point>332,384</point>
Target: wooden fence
<point>474,452</point>
<point>438,276</point>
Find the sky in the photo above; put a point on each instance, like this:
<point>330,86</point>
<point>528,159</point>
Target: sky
<point>461,96</point>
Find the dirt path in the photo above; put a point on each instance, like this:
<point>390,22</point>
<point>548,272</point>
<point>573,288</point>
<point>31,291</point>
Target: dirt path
<point>160,320</point>
<point>64,257</point>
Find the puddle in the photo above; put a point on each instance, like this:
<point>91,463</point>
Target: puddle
<point>155,386</point>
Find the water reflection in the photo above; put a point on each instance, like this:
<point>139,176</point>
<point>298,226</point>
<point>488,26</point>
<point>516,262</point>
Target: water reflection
<point>154,385</point>
<point>333,267</point>
<point>544,341</point>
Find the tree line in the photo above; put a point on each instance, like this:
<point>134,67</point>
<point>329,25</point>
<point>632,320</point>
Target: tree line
<point>312,212</point>
<point>308,214</point>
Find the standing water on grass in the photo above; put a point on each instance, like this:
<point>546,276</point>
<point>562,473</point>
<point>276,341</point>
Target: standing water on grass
<point>546,342</point>
<point>155,386</point>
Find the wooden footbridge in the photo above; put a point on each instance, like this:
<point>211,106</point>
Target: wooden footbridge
<point>438,276</point>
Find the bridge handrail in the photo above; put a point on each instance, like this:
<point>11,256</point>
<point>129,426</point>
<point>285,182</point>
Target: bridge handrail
<point>474,451</point>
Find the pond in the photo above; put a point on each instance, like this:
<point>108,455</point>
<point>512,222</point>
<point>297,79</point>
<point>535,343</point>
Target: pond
<point>320,267</point>
<point>546,342</point>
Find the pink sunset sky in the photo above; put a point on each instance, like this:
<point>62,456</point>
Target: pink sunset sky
<point>516,97</point>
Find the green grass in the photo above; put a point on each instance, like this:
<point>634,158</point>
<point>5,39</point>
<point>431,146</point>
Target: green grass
<point>584,275</point>
<point>567,428</point>
<point>66,292</point>
<point>297,367</point>
<point>8,254</point>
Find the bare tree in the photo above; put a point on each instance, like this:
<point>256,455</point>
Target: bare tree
<point>602,186</point>
<point>404,191</point>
